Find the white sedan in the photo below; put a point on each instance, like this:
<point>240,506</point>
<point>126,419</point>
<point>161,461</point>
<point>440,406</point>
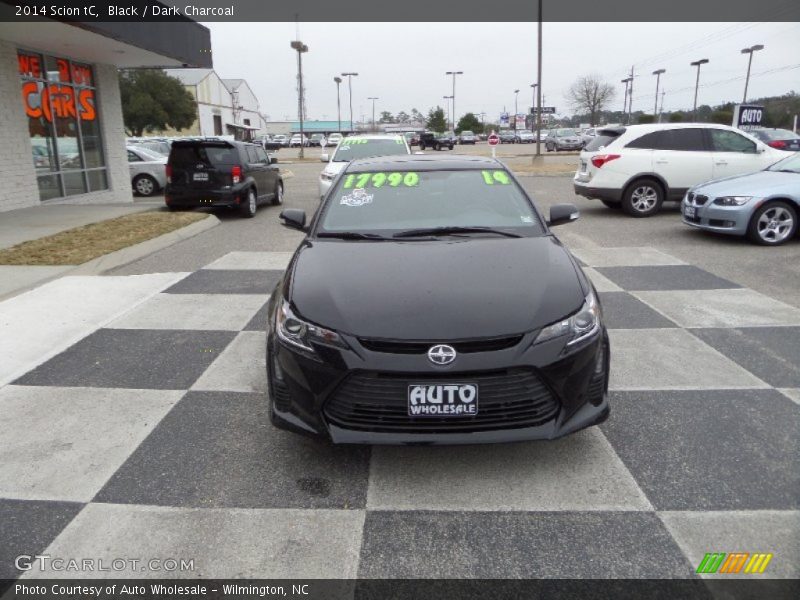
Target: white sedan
<point>148,170</point>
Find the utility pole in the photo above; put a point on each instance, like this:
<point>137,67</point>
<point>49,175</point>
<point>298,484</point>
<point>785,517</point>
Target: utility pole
<point>626,81</point>
<point>630,102</point>
<point>539,86</point>
<point>658,78</point>
<point>373,98</point>
<point>516,108</point>
<point>338,80</point>
<point>350,89</point>
<point>301,49</point>
<point>749,51</point>
<point>697,64</point>
<point>454,73</point>
<point>660,112</point>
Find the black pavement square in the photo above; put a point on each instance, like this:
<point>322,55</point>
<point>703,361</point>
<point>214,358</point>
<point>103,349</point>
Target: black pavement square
<point>222,281</point>
<point>259,320</point>
<point>27,527</point>
<point>770,353</point>
<point>133,358</point>
<point>710,449</point>
<point>664,277</point>
<point>472,544</point>
<point>220,450</point>
<point>623,311</point>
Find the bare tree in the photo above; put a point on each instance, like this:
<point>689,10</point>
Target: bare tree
<point>590,95</point>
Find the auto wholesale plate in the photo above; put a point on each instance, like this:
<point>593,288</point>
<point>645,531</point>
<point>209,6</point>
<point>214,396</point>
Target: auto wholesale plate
<point>443,399</point>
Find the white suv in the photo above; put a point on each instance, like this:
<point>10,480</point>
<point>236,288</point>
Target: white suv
<point>640,166</point>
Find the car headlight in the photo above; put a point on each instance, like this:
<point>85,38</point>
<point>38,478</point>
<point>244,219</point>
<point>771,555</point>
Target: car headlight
<point>732,200</point>
<point>298,333</point>
<point>580,326</point>
<point>325,176</point>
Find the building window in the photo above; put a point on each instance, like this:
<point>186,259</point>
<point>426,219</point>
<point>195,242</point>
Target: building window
<point>247,121</point>
<point>59,97</point>
<point>217,125</point>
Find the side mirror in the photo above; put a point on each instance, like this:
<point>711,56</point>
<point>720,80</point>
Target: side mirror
<point>324,158</point>
<point>563,213</point>
<point>273,160</point>
<point>294,218</point>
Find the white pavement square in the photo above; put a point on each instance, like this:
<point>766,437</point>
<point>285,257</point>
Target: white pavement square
<point>721,308</point>
<point>535,476</point>
<point>791,393</point>
<point>763,531</point>
<point>600,281</point>
<point>64,443</point>
<point>259,543</point>
<point>672,359</point>
<point>240,368</point>
<point>39,324</point>
<point>267,261</point>
<point>635,256</point>
<point>208,312</point>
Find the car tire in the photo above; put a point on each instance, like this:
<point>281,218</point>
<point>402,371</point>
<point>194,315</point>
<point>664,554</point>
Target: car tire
<point>144,185</point>
<point>548,147</point>
<point>421,147</point>
<point>612,204</point>
<point>773,224</point>
<point>249,207</point>
<point>451,146</point>
<point>643,198</point>
<point>277,199</point>
<point>437,147</point>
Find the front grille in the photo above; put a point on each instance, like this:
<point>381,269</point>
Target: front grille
<point>466,346</point>
<point>378,402</point>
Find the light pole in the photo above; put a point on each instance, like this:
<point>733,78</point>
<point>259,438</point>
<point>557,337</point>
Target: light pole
<point>301,49</point>
<point>749,51</point>
<point>625,99</point>
<point>533,98</point>
<point>516,108</point>
<point>454,73</point>
<point>658,78</point>
<point>350,91</point>
<point>697,64</point>
<point>373,98</point>
<point>338,80</point>
<point>539,83</point>
<point>447,106</point>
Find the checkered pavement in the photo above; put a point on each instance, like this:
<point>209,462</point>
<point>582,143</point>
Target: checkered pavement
<point>148,437</point>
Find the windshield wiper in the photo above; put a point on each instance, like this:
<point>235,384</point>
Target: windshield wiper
<point>448,230</point>
<point>350,235</point>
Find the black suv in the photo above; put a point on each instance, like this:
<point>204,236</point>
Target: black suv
<point>213,172</point>
<point>437,141</point>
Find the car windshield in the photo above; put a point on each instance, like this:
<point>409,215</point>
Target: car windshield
<point>150,154</point>
<point>565,132</point>
<point>467,133</point>
<point>386,203</point>
<point>790,164</point>
<point>361,147</point>
<point>776,134</point>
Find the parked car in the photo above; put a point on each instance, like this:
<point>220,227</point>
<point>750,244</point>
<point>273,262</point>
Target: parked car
<point>587,135</point>
<point>268,143</point>
<point>334,139</point>
<point>359,146</point>
<point>412,138</point>
<point>317,139</point>
<point>437,141</point>
<point>221,173</point>
<point>525,137</point>
<point>507,136</point>
<point>782,139</point>
<point>148,170</point>
<point>298,140</point>
<point>764,206</point>
<point>157,145</point>
<point>280,139</point>
<point>640,166</point>
<point>384,330</point>
<point>467,137</point>
<point>562,139</point>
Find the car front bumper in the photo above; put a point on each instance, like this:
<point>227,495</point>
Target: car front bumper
<point>732,220</point>
<point>308,392</point>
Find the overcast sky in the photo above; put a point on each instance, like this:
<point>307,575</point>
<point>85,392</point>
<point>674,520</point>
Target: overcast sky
<point>404,64</point>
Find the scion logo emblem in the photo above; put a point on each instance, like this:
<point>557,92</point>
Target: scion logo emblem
<point>441,354</point>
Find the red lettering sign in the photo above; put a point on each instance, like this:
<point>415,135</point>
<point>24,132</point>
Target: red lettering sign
<point>29,65</point>
<point>59,101</point>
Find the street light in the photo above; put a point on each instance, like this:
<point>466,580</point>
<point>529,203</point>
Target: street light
<point>301,49</point>
<point>749,51</point>
<point>533,98</point>
<point>447,106</point>
<point>539,82</point>
<point>338,80</point>
<point>454,73</point>
<point>625,99</point>
<point>697,64</point>
<point>350,91</point>
<point>516,108</point>
<point>373,98</point>
<point>658,74</point>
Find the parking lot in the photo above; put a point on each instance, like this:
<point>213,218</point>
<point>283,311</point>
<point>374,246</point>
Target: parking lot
<point>151,435</point>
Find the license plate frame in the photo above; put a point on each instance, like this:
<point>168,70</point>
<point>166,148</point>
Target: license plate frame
<point>690,212</point>
<point>200,177</point>
<point>454,399</point>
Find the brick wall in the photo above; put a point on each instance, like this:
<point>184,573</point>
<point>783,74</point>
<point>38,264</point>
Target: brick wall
<point>17,176</point>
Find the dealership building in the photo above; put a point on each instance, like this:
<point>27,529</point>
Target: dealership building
<point>60,111</point>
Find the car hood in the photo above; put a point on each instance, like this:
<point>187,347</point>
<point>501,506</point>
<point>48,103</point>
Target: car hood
<point>434,290</point>
<point>759,184</point>
<point>334,168</point>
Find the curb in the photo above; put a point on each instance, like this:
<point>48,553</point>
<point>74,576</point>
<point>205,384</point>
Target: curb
<point>124,256</point>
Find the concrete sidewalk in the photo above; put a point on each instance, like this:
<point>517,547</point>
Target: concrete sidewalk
<point>17,226</point>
